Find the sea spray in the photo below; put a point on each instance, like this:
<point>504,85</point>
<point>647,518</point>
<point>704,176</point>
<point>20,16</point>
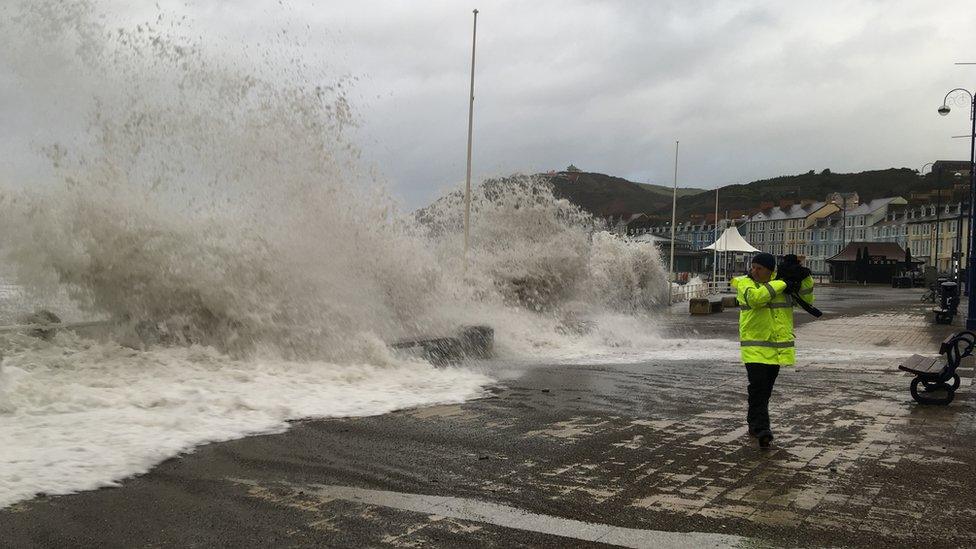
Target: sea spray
<point>545,254</point>
<point>214,195</point>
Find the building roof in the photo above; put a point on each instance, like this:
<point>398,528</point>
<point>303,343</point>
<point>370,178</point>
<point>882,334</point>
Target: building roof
<point>876,204</point>
<point>887,250</point>
<point>796,211</point>
<point>939,215</point>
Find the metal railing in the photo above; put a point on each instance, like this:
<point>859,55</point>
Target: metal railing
<point>688,291</point>
<point>684,292</point>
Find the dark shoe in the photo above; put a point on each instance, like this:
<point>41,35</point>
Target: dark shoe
<point>765,437</point>
<point>753,433</point>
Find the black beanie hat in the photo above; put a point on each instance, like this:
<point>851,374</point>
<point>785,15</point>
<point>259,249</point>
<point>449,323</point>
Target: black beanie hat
<point>766,260</point>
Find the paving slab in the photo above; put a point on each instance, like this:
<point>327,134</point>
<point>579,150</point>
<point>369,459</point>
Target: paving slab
<point>587,455</point>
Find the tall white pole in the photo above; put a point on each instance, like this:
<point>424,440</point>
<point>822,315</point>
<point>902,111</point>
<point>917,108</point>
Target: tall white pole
<point>467,178</point>
<point>715,251</point>
<point>674,205</point>
<point>725,260</point>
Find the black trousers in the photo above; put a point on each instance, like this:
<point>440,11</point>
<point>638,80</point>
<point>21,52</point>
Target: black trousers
<point>761,380</point>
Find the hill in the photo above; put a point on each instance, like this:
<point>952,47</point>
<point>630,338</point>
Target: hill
<point>661,189</point>
<point>747,197</point>
<point>605,195</point>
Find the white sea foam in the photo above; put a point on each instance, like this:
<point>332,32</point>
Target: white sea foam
<point>79,415</point>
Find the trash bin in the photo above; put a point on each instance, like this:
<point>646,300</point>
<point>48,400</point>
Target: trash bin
<point>949,297</point>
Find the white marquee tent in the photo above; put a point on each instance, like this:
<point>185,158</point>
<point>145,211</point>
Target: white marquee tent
<point>731,241</point>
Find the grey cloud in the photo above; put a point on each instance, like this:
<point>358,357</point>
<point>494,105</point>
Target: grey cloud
<point>752,89</point>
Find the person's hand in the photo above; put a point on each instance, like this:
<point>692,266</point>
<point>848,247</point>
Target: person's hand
<point>792,285</point>
<point>793,276</point>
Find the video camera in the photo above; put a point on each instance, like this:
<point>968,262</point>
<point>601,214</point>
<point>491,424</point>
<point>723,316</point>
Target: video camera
<point>793,274</point>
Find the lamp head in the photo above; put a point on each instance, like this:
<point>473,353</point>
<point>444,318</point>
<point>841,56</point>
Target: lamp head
<point>944,110</point>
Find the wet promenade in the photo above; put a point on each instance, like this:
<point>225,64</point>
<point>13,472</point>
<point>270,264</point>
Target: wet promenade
<point>645,454</point>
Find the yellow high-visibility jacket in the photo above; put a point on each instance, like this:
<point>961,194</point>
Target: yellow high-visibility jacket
<point>766,319</point>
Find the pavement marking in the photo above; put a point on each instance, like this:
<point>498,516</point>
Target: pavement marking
<point>512,517</point>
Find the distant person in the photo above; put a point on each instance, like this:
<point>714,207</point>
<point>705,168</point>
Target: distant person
<point>766,339</point>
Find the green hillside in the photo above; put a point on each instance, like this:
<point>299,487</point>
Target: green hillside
<point>667,191</point>
<point>868,185</point>
<point>604,195</point>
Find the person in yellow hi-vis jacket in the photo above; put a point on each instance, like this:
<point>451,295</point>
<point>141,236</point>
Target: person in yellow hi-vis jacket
<point>766,339</point>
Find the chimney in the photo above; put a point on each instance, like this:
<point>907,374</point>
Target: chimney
<point>785,203</point>
<point>765,205</point>
<point>807,202</point>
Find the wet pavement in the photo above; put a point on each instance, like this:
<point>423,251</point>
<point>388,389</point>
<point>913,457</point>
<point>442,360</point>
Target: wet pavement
<point>639,455</point>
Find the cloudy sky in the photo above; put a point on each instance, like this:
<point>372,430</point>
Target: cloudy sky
<point>752,89</point>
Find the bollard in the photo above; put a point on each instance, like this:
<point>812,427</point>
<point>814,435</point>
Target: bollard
<point>948,304</point>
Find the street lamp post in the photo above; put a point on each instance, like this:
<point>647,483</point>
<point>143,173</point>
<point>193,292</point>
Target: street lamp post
<point>938,225</point>
<point>843,227</point>
<point>957,250</point>
<point>674,205</point>
<point>971,269</point>
<point>467,177</point>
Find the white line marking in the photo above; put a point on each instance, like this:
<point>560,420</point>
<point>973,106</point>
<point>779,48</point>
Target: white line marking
<point>511,517</point>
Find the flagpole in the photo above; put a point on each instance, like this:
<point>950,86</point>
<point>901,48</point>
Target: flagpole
<point>726,262</point>
<point>715,251</point>
<point>674,205</point>
<point>467,178</point>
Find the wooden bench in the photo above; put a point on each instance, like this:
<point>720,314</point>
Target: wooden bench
<point>469,342</point>
<point>705,305</point>
<point>939,373</point>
